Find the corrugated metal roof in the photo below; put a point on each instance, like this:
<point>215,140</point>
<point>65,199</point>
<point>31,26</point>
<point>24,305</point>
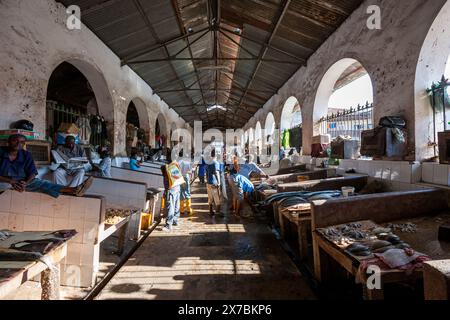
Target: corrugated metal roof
<point>229,71</point>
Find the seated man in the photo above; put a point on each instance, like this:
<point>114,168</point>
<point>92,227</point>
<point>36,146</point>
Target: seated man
<point>135,164</point>
<point>286,162</point>
<point>61,175</point>
<point>104,167</point>
<point>18,172</point>
<point>251,167</point>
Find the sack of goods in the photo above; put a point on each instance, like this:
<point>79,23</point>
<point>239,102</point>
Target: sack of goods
<point>174,175</point>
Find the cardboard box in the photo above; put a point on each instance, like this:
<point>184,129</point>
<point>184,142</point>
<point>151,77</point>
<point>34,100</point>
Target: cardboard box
<point>30,135</point>
<point>68,128</point>
<point>321,139</point>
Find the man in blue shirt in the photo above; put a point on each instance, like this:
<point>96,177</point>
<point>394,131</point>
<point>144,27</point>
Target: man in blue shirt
<point>202,171</point>
<point>134,163</point>
<point>104,167</point>
<point>213,184</point>
<point>250,167</point>
<point>18,172</point>
<point>242,186</point>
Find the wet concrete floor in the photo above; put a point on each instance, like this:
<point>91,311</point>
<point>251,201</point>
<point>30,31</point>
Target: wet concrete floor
<point>224,257</point>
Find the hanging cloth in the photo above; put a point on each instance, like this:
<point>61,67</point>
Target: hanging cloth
<point>85,132</point>
<point>285,139</point>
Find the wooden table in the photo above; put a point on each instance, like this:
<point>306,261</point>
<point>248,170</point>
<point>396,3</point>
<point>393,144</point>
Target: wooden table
<point>424,241</point>
<point>23,271</point>
<point>300,216</point>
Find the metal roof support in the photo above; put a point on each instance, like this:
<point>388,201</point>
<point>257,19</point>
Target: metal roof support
<point>139,53</point>
<point>263,52</point>
<point>183,31</point>
<point>213,59</point>
<point>268,46</point>
<point>189,44</point>
<point>155,36</point>
<point>238,44</point>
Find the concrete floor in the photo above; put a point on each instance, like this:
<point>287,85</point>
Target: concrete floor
<point>210,258</point>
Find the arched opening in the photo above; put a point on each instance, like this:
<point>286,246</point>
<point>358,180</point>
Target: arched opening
<point>138,126</point>
<point>258,134</point>
<point>77,96</point>
<point>174,138</point>
<point>258,141</point>
<point>291,124</point>
<point>160,132</point>
<point>269,130</point>
<point>433,64</point>
<point>344,101</point>
<point>291,115</point>
<point>132,115</point>
<point>251,135</point>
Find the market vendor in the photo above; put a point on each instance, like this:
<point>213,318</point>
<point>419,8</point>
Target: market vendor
<point>104,167</point>
<point>241,189</point>
<point>70,177</point>
<point>250,167</point>
<point>135,164</point>
<point>18,172</point>
<point>287,162</point>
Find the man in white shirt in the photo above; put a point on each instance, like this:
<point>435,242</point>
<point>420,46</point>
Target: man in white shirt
<point>295,157</point>
<point>67,177</point>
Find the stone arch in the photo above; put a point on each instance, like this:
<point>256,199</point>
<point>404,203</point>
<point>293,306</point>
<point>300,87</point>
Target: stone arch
<point>258,135</point>
<point>433,63</point>
<point>251,135</point>
<point>161,124</point>
<point>173,135</point>
<point>287,113</point>
<point>100,89</point>
<point>269,125</point>
<point>144,121</point>
<point>328,85</point>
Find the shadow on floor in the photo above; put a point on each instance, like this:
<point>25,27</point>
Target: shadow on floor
<point>221,257</point>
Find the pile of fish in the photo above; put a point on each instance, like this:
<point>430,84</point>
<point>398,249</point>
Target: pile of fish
<point>298,197</point>
<point>264,186</point>
<point>403,227</point>
<point>114,216</point>
<point>345,234</point>
<point>4,235</point>
<point>364,242</point>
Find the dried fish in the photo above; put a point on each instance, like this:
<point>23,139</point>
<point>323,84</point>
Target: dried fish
<point>384,249</point>
<point>393,239</point>
<point>15,255</point>
<point>403,227</point>
<point>114,216</point>
<point>377,244</point>
<point>357,247</point>
<point>402,245</point>
<point>378,231</point>
<point>4,235</point>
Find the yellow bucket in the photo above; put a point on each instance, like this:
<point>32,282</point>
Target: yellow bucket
<point>146,221</point>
